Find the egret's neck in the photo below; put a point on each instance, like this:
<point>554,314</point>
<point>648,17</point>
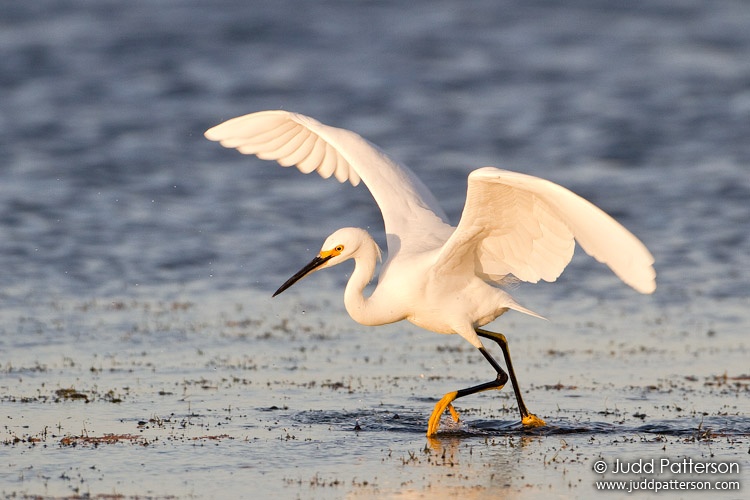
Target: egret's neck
<point>357,305</point>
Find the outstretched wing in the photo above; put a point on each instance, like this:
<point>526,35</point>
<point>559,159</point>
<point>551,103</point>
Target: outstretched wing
<point>413,219</point>
<point>522,225</point>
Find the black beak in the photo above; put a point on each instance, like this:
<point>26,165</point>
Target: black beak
<point>314,264</point>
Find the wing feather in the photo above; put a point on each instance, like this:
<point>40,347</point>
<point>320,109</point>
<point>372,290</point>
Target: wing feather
<point>258,142</point>
<point>518,224</point>
<point>278,146</point>
<point>313,161</point>
<point>413,219</point>
<point>298,151</point>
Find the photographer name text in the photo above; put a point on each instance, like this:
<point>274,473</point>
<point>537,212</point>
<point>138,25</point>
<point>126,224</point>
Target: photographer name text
<point>666,466</point>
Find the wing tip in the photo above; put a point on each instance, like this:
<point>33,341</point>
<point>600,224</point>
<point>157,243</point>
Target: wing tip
<point>214,133</point>
<point>211,134</point>
<point>646,287</point>
<point>640,276</point>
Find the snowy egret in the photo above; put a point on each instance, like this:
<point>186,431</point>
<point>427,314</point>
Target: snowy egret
<point>442,278</point>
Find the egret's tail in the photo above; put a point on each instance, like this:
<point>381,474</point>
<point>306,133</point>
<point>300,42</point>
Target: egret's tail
<point>518,307</point>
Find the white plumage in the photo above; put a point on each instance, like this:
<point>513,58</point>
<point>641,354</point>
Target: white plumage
<point>438,276</point>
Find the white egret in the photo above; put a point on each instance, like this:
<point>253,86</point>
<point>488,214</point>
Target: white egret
<point>443,278</point>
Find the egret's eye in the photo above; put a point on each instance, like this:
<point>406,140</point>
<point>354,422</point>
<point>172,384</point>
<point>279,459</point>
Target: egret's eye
<point>339,248</point>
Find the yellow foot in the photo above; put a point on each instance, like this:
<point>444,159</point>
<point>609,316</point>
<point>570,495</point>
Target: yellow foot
<point>531,421</point>
<point>440,408</point>
<point>454,413</point>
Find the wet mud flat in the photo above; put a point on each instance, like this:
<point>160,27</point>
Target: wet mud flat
<point>140,398</point>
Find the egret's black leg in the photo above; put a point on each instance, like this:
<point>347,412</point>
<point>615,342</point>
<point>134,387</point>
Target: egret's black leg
<point>447,400</point>
<point>498,383</point>
<point>528,419</point>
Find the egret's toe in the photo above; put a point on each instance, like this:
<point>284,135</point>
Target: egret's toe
<point>454,413</point>
<point>531,421</point>
<point>440,407</point>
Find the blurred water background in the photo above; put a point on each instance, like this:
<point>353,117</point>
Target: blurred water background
<point>137,258</point>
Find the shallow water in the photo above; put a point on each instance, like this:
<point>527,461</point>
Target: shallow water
<point>142,355</point>
<point>216,398</point>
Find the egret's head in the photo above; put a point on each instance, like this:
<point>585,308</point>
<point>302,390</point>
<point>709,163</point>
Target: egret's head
<point>338,247</point>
